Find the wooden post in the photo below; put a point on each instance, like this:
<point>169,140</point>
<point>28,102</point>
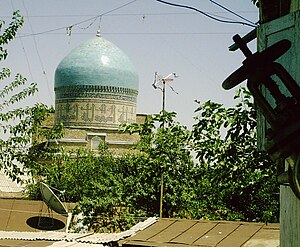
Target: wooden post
<point>162,172</point>
<point>289,218</point>
<point>161,195</point>
<point>284,27</point>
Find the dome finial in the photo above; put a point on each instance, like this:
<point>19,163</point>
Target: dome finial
<point>98,33</point>
<point>99,27</point>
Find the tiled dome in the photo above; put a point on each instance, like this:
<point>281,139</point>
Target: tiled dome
<point>96,86</point>
<point>96,62</point>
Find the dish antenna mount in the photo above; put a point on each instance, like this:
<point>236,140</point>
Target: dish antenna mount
<point>54,203</point>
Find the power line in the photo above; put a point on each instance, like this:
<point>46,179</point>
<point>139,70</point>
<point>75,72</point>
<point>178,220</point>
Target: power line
<point>69,28</point>
<point>135,33</point>
<point>122,6</point>
<point>26,56</point>
<point>204,13</point>
<point>124,14</point>
<point>24,50</point>
<point>108,13</point>
<point>37,51</point>
<point>232,12</point>
<point>93,19</point>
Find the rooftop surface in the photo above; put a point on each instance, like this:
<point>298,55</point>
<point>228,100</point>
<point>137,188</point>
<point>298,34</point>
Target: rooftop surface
<point>32,223</point>
<point>177,233</point>
<point>18,218</point>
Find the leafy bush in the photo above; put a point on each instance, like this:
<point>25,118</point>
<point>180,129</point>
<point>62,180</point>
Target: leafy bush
<point>238,180</point>
<point>167,158</point>
<point>18,123</point>
<point>232,179</point>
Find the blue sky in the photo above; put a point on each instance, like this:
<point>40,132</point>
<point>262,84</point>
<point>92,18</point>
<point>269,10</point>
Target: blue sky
<point>157,37</point>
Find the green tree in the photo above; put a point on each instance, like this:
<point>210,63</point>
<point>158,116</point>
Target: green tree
<point>92,180</point>
<point>103,183</point>
<point>164,144</point>
<point>233,180</point>
<point>238,180</point>
<point>17,123</point>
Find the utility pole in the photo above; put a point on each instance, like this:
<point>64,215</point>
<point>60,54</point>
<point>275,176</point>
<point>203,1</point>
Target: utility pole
<point>160,83</point>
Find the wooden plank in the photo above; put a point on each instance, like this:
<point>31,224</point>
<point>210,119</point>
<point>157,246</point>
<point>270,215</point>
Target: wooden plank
<point>268,34</point>
<point>151,231</point>
<point>5,211</point>
<point>264,237</point>
<point>272,226</point>
<point>172,231</point>
<point>240,235</point>
<point>285,27</point>
<point>209,234</point>
<point>295,5</point>
<point>195,232</point>
<point>217,234</point>
<point>289,218</point>
<point>152,244</point>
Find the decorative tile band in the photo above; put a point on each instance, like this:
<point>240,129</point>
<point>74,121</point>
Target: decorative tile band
<point>94,113</point>
<point>96,91</point>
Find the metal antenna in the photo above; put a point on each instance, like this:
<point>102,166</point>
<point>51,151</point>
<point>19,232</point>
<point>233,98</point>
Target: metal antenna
<point>160,83</point>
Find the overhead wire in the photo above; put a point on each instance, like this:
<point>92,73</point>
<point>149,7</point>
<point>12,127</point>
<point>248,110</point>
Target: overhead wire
<point>189,59</point>
<point>204,13</point>
<point>25,53</point>
<point>38,54</point>
<point>232,12</point>
<point>86,27</point>
<point>68,28</point>
<point>123,14</point>
<point>93,19</point>
<point>147,33</point>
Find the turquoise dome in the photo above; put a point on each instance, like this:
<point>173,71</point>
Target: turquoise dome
<point>96,86</point>
<point>96,62</point>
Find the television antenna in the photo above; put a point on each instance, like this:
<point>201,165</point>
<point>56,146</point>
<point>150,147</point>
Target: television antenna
<point>54,203</point>
<point>160,83</point>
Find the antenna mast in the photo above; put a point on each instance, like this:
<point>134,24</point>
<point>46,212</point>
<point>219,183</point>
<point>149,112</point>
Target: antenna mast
<point>160,83</point>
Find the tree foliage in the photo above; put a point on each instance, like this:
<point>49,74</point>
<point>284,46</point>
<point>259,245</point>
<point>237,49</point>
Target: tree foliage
<point>238,179</point>
<point>164,142</point>
<point>231,179</point>
<point>97,183</point>
<point>111,189</point>
<point>17,123</point>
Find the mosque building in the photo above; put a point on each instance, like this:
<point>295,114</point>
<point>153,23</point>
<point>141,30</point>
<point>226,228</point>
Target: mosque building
<point>96,88</point>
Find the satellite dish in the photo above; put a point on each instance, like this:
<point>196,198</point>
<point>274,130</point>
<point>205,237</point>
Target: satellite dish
<point>54,203</point>
<point>51,200</point>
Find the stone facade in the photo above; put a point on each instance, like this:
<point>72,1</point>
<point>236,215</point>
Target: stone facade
<point>97,106</point>
<point>89,138</point>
